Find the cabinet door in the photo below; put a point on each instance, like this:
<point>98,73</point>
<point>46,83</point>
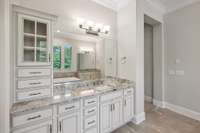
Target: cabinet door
<point>128,108</point>
<point>105,117</point>
<point>33,41</point>
<point>116,113</point>
<point>40,128</point>
<point>70,123</point>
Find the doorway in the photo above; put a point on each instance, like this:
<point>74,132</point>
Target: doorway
<point>148,61</point>
<point>153,60</point>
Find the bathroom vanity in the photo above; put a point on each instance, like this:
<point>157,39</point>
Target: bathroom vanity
<point>99,106</point>
<point>92,103</point>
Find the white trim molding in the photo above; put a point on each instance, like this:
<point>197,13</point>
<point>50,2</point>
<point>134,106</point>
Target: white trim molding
<point>160,104</point>
<point>178,109</point>
<point>148,98</point>
<point>139,118</point>
<point>183,111</point>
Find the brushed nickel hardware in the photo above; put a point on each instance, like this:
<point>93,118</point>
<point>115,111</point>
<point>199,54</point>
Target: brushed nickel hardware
<point>35,117</point>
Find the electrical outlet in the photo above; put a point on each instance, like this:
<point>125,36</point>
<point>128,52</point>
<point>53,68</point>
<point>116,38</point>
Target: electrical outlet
<point>180,72</point>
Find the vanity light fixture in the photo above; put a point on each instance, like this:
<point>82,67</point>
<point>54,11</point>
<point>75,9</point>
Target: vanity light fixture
<point>93,28</point>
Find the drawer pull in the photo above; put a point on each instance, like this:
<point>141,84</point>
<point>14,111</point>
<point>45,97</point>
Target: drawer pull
<point>91,102</point>
<point>34,94</point>
<point>129,91</point>
<point>67,108</point>
<point>91,122</point>
<point>125,102</point>
<point>35,83</point>
<point>90,111</point>
<point>35,72</point>
<point>35,117</point>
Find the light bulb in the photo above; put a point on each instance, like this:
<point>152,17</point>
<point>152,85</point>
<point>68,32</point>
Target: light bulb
<point>80,21</point>
<point>106,29</point>
<point>90,24</point>
<point>98,27</point>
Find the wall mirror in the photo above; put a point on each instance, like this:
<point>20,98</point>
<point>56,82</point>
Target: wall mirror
<point>82,57</point>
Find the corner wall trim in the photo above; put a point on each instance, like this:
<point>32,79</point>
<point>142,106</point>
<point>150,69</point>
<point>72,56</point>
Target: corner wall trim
<point>160,104</point>
<point>148,98</point>
<point>139,118</point>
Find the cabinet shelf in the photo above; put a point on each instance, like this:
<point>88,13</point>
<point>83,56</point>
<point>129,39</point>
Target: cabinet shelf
<point>41,36</point>
<point>29,48</point>
<point>29,34</point>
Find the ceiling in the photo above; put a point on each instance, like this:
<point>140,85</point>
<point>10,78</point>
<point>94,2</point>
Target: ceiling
<point>112,4</point>
<point>166,5</point>
<point>171,5</point>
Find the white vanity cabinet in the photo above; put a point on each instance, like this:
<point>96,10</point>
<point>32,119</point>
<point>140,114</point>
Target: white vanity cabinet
<point>39,121</point>
<point>128,105</point>
<point>45,127</point>
<point>90,114</point>
<point>69,123</point>
<point>69,118</point>
<point>31,54</point>
<point>111,111</point>
<point>34,41</point>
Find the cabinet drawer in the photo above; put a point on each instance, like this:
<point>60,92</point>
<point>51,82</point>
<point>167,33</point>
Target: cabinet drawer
<point>128,91</point>
<point>90,111</point>
<point>68,107</point>
<point>93,130</point>
<point>90,101</point>
<point>33,72</point>
<point>90,122</point>
<point>33,94</point>
<point>31,117</point>
<point>111,96</point>
<point>34,83</point>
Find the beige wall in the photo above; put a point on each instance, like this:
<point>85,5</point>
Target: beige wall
<point>127,41</point>
<point>148,60</point>
<point>69,10</point>
<point>4,67</point>
<point>182,42</point>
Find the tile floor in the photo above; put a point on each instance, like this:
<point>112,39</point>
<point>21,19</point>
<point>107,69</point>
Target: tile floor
<point>162,121</point>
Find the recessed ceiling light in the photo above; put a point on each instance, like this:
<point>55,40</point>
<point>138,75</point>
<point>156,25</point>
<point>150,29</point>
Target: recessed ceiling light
<point>58,31</point>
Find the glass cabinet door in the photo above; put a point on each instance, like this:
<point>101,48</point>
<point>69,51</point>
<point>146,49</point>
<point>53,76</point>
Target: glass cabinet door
<point>35,45</point>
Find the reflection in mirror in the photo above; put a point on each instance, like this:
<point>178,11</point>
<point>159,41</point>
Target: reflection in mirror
<point>81,57</point>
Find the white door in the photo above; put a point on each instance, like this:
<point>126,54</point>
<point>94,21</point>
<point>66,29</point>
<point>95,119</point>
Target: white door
<point>70,123</point>
<point>117,113</point>
<point>105,117</point>
<point>128,108</point>
<point>40,128</point>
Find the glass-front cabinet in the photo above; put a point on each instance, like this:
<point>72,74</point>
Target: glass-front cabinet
<point>33,41</point>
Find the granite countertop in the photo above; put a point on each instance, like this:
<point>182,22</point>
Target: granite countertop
<point>74,91</point>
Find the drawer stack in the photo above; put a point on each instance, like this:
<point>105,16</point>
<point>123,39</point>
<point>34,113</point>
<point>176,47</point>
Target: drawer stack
<point>90,115</point>
<point>33,83</point>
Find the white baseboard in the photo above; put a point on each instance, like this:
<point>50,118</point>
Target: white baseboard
<point>139,118</point>
<point>183,111</point>
<point>160,104</point>
<point>178,109</point>
<point>148,99</point>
